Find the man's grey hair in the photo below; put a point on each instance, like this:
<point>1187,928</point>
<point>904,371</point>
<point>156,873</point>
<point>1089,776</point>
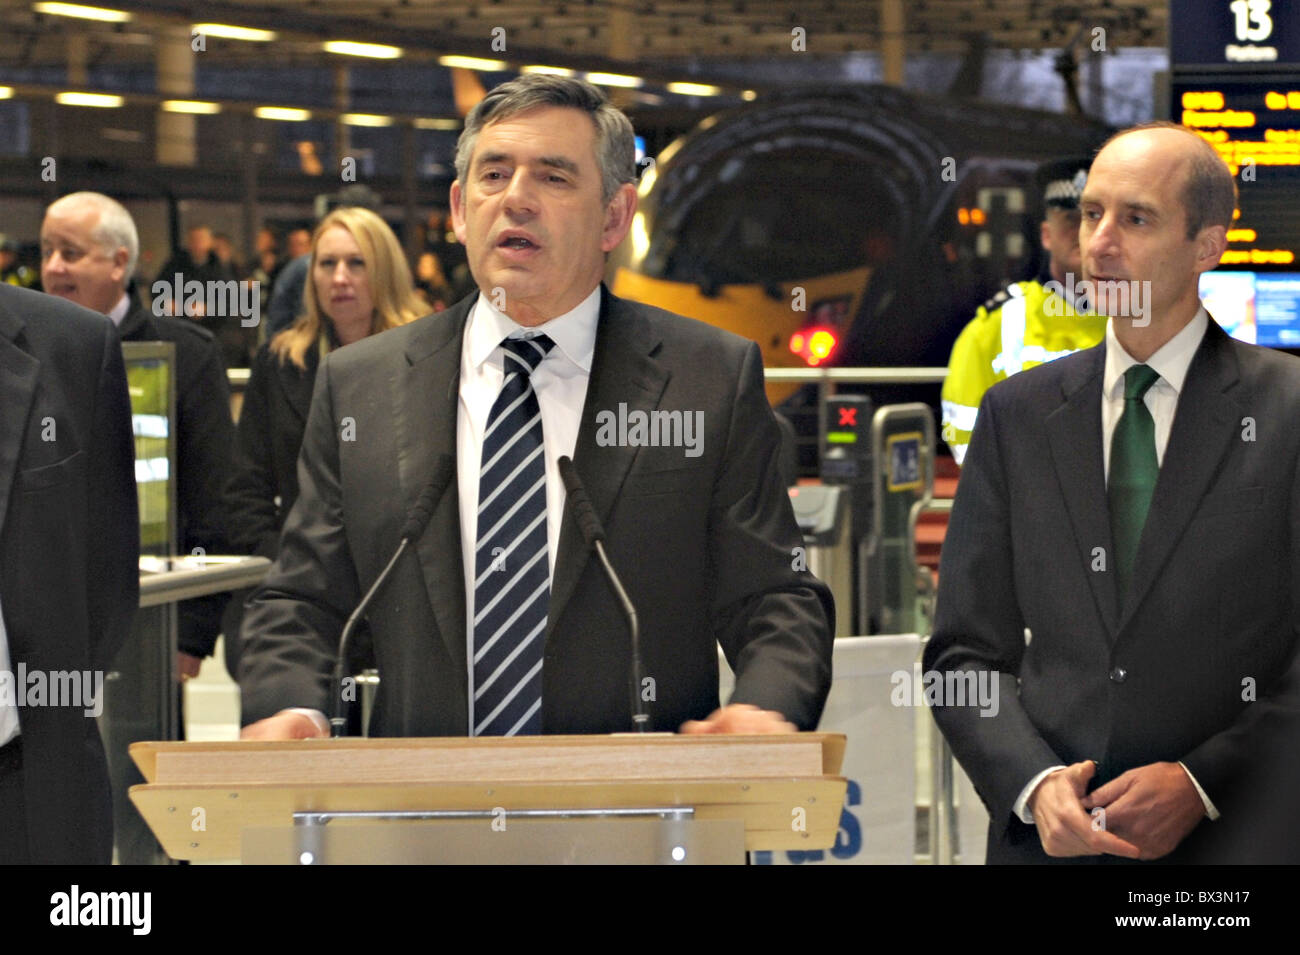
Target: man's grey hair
<point>615,139</point>
<point>115,229</point>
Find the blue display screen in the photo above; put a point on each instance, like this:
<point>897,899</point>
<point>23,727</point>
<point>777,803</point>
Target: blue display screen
<point>1258,307</point>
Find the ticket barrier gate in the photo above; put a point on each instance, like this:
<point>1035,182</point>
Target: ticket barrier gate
<point>823,514</point>
<point>902,452</point>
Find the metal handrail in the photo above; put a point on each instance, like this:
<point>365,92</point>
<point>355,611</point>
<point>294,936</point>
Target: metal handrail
<point>778,376</point>
<point>943,812</point>
<point>926,505</point>
<point>855,376</point>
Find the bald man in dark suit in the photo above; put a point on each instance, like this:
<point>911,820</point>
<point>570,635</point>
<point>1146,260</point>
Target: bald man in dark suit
<point>1122,555</point>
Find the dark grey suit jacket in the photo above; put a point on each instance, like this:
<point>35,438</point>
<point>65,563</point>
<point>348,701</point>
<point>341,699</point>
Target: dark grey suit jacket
<point>1212,610</point>
<point>705,544</point>
<point>69,549</point>
<point>205,435</point>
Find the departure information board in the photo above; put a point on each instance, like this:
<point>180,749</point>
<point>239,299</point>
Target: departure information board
<point>1254,123</point>
<point>1235,79</point>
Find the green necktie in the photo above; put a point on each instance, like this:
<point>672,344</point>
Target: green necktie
<point>1133,472</point>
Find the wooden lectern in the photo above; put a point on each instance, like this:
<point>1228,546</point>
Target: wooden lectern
<point>535,799</point>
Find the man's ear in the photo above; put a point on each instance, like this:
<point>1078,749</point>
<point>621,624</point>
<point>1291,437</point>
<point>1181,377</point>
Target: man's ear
<point>1045,235</point>
<point>458,213</point>
<point>1211,243</point>
<point>120,258</point>
<point>618,217</point>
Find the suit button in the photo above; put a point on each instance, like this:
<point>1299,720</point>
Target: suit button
<point>1118,675</point>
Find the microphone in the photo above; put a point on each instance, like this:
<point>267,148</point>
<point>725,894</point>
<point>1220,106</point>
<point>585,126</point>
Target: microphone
<point>593,533</point>
<point>416,521</point>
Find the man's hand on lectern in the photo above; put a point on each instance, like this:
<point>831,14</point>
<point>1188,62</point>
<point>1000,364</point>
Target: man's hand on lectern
<point>287,724</point>
<point>741,718</point>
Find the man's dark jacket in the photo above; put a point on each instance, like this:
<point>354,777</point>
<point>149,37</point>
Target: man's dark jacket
<point>707,545</point>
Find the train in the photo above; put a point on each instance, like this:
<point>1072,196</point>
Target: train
<point>845,226</point>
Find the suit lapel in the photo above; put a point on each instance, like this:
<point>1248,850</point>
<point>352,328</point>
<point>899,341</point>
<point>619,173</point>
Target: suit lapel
<point>18,371</point>
<point>1204,425</point>
<point>623,371</point>
<point>1074,437</point>
<point>425,394</point>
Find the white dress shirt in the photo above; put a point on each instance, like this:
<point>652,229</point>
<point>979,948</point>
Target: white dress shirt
<point>9,692</point>
<point>560,383</point>
<point>119,310</point>
<point>1171,362</point>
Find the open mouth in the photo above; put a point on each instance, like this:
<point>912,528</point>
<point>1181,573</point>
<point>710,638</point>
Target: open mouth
<point>517,242</point>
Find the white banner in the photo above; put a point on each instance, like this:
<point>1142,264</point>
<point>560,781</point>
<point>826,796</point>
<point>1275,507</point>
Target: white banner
<point>878,823</point>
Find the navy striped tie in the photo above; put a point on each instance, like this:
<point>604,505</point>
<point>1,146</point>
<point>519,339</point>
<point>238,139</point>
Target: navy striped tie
<point>512,571</point>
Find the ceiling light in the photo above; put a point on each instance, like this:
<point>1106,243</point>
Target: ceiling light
<point>547,70</point>
<point>377,51</point>
<point>191,106</point>
<point>365,119</point>
<point>694,89</point>
<point>282,113</point>
<point>227,32</point>
<point>82,12</point>
<point>102,100</point>
<point>615,79</point>
<point>472,63</point>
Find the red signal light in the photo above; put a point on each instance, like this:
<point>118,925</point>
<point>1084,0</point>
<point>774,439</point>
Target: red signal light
<point>814,345</point>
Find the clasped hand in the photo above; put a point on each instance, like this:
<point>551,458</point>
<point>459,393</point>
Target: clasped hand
<point>1142,814</point>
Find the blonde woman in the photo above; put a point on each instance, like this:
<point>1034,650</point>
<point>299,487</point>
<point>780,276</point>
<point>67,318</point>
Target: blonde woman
<point>359,284</point>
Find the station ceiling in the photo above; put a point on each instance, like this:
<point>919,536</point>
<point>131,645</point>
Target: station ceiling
<point>578,33</point>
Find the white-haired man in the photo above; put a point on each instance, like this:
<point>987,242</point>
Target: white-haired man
<point>89,251</point>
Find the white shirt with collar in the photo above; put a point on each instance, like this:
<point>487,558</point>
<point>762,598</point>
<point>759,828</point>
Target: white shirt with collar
<point>1171,362</point>
<point>119,310</point>
<point>560,383</point>
<point>8,690</point>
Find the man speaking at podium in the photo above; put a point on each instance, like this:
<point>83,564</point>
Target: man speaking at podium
<point>502,621</point>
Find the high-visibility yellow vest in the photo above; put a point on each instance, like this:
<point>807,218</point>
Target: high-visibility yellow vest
<point>1022,326</point>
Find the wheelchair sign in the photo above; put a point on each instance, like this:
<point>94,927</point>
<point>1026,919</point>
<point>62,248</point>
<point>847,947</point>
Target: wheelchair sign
<point>904,454</point>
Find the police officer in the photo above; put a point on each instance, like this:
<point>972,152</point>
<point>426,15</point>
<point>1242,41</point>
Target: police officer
<point>1027,323</point>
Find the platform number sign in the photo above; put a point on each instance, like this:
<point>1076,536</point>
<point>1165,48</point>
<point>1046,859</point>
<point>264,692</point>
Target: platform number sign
<point>1252,22</point>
